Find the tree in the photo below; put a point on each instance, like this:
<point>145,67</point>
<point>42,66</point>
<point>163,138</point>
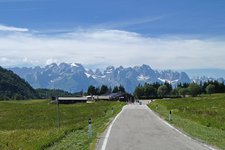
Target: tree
<point>121,89</point>
<point>139,92</point>
<point>91,90</point>
<point>183,91</point>
<point>221,88</point>
<point>115,89</point>
<point>210,89</point>
<point>97,90</point>
<point>175,92</point>
<point>169,87</point>
<point>183,85</point>
<point>149,91</point>
<point>110,90</point>
<point>156,85</point>
<point>194,89</point>
<point>104,89</point>
<point>162,90</point>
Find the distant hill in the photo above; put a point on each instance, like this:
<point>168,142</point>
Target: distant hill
<point>14,87</point>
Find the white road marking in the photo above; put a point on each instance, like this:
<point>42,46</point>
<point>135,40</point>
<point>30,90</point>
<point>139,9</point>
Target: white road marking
<point>109,130</point>
<point>205,145</point>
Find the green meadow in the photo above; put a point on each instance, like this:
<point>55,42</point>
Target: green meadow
<point>200,117</point>
<point>32,124</point>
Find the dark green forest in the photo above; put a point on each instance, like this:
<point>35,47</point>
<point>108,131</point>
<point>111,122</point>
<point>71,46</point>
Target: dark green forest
<point>13,87</point>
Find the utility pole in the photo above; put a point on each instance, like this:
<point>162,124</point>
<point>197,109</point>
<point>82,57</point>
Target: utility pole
<point>58,113</point>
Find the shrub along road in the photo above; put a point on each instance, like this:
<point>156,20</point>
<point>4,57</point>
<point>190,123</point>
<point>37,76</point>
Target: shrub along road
<point>137,127</point>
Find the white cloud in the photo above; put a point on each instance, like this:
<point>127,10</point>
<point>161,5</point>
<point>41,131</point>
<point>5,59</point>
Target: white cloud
<point>50,61</point>
<point>111,47</point>
<point>8,1</point>
<point>25,59</point>
<point>127,23</point>
<point>12,29</point>
<point>3,59</point>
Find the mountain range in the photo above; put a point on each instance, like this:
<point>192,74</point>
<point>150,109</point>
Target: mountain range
<point>73,77</point>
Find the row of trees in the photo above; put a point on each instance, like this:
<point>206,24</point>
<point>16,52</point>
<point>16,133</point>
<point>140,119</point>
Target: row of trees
<point>104,89</point>
<point>157,90</point>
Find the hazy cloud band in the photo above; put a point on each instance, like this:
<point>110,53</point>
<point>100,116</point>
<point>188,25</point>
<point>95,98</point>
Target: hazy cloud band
<point>110,47</point>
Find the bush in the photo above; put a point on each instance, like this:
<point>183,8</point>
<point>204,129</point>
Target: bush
<point>194,89</point>
<point>162,90</point>
<point>210,89</point>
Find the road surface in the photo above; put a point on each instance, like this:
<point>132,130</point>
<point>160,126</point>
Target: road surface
<point>138,128</point>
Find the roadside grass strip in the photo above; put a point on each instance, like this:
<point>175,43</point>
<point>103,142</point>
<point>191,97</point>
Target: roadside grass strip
<point>201,118</point>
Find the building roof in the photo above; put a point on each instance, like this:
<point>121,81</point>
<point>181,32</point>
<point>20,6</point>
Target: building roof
<point>73,98</point>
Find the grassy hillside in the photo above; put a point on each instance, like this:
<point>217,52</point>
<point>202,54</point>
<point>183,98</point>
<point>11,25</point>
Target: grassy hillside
<point>32,124</point>
<point>13,87</point>
<point>201,117</point>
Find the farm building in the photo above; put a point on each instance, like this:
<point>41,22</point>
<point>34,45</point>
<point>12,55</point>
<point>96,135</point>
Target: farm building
<point>121,96</point>
<point>72,100</point>
<point>108,97</point>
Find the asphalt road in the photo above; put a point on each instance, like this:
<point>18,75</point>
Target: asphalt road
<point>138,128</point>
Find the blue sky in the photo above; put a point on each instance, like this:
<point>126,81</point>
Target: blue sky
<point>165,34</point>
<point>150,17</point>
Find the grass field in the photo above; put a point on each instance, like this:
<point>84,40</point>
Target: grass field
<point>200,117</point>
<point>32,124</point>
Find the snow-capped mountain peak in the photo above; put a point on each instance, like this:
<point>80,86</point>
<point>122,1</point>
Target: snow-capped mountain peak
<point>142,78</point>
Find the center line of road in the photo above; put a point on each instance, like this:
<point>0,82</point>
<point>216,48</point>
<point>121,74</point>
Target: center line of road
<point>109,130</point>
